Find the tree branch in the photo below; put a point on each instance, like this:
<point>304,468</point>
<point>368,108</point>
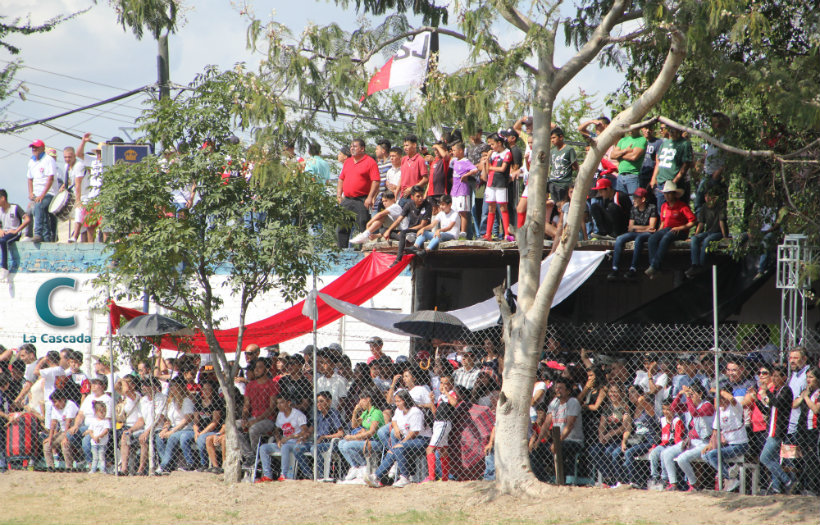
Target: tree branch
<point>712,140</point>
<point>628,37</point>
<point>498,50</point>
<point>513,15</point>
<point>498,292</point>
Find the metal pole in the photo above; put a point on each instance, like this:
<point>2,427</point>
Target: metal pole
<point>717,375</point>
<point>150,429</point>
<point>315,385</point>
<point>113,400</point>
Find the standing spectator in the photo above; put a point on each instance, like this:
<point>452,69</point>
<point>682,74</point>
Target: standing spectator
<point>291,431</point>
<point>715,163</point>
<point>152,408</point>
<point>316,166</point>
<point>643,221</point>
<point>711,228</point>
<point>418,212</point>
<point>798,382</point>
<point>464,176</point>
<point>444,411</point>
<point>94,181</point>
<point>497,173</point>
<point>776,400</point>
<point>376,348</point>
<point>75,174</point>
<point>475,151</point>
<point>441,175</point>
<point>652,380</point>
<point>12,223</point>
<point>128,413</point>
<point>392,177</point>
<point>564,161</point>
<point>258,409</point>
<point>611,211</point>
<point>42,171</point>
<point>676,221</point>
<point>630,152</point>
<point>653,144</point>
<point>809,432</point>
<point>615,424</point>
<point>98,431</point>
<point>468,372</point>
<point>357,188</point>
<point>674,159</point>
<point>413,170</point>
<point>517,170</point>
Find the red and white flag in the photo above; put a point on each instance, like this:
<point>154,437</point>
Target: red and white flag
<point>408,67</point>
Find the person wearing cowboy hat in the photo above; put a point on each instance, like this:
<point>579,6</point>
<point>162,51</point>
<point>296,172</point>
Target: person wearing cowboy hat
<point>676,221</point>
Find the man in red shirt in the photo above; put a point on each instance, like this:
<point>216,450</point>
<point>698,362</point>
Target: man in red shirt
<point>258,410</point>
<point>357,188</point>
<point>676,221</point>
<point>413,170</point>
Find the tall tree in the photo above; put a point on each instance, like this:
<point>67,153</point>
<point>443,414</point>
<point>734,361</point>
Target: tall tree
<point>258,234</point>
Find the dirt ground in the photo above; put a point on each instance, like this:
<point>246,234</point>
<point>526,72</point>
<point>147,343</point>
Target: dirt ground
<point>30,497</point>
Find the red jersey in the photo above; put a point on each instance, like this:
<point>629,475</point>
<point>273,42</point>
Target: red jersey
<point>413,169</point>
<point>357,177</point>
<point>677,214</point>
<point>259,395</point>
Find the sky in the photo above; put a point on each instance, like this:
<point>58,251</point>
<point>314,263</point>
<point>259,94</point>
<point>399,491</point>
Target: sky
<point>91,58</point>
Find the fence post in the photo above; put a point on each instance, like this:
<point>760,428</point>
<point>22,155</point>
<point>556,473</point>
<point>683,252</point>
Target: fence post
<point>558,456</point>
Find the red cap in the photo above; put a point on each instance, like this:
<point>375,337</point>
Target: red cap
<point>37,144</point>
<point>640,192</point>
<point>603,183</point>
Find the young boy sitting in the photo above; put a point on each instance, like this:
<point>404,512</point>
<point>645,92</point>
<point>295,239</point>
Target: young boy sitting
<point>388,215</point>
<point>445,226</point>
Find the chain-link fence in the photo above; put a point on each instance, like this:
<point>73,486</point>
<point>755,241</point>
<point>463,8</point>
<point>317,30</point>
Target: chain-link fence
<point>612,405</point>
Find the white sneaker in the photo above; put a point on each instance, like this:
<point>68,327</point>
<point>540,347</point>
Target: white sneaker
<point>730,484</point>
<point>393,472</point>
<point>401,482</point>
<point>27,239</point>
<point>371,481</point>
<point>361,238</point>
<point>352,474</point>
<point>4,275</point>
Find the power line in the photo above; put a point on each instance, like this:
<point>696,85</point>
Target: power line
<point>71,93</point>
<point>66,76</point>
<point>38,96</point>
<point>96,115</point>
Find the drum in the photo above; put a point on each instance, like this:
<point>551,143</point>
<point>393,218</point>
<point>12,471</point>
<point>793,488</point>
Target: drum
<point>61,205</point>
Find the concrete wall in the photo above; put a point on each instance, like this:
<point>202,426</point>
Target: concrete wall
<point>33,265</point>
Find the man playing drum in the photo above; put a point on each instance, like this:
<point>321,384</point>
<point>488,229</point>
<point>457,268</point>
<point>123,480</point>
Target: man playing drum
<point>75,174</point>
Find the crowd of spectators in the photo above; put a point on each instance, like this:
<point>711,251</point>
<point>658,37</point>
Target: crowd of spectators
<point>632,419</point>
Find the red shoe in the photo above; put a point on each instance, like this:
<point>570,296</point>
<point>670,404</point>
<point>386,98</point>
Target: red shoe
<point>281,478</point>
<point>691,488</point>
<point>263,479</point>
<point>671,487</point>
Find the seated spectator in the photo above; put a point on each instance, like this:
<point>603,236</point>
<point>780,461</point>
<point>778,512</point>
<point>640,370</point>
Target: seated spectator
<point>151,413</point>
<point>13,222</point>
<point>702,414</point>
<point>673,431</point>
<point>128,415</point>
<point>63,412</point>
<point>259,407</point>
<point>653,382</point>
<point>445,226</point>
<point>711,228</point>
<point>208,418</point>
<point>366,420</point>
<point>178,429</point>
<point>412,380</point>
<point>643,221</point>
<point>211,443</point>
<point>676,221</point>
<point>615,424</point>
<point>733,438</point>
<point>641,437</point>
<point>388,215</point>
<point>379,374</point>
<point>291,431</point>
<point>328,427</point>
<point>611,211</point>
<point>408,438</point>
<point>87,416</point>
<point>564,413</point>
<point>418,213</point>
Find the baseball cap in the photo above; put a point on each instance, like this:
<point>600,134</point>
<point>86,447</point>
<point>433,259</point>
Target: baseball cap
<point>37,144</point>
<point>336,347</point>
<point>510,132</point>
<point>422,355</point>
<point>375,341</point>
<point>603,183</point>
<point>640,192</point>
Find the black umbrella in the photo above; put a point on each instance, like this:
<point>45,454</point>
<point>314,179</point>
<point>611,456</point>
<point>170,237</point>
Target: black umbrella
<point>154,324</point>
<point>432,324</point>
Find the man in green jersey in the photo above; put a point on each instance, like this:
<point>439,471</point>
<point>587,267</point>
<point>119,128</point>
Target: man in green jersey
<point>674,161</point>
<point>629,152</point>
<point>564,163</point>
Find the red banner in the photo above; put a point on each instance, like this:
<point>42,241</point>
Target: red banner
<point>360,283</point>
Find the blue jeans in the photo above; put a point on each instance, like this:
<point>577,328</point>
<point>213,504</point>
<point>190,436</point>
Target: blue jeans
<point>402,453</point>
<point>200,447</point>
<point>659,243</point>
<point>353,452</point>
<point>726,452</point>
<point>489,467</point>
<point>607,459</point>
<point>629,459</point>
<point>770,457</point>
<point>639,238</point>
<point>165,447</point>
<point>318,456</point>
<point>434,241</point>
<point>86,443</point>
<point>44,222</point>
<point>485,211</point>
<point>627,182</point>
<point>268,449</point>
<point>5,244</point>
<point>700,242</point>
<point>657,470</point>
<point>383,439</point>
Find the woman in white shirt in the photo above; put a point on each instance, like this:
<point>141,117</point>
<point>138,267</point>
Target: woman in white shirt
<point>409,437</point>
<point>178,429</point>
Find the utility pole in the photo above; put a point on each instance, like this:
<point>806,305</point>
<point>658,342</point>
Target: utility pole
<point>163,72</point>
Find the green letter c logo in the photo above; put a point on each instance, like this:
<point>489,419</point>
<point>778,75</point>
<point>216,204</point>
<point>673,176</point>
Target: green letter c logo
<point>43,299</point>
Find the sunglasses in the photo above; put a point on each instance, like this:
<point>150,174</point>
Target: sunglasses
<point>763,372</point>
